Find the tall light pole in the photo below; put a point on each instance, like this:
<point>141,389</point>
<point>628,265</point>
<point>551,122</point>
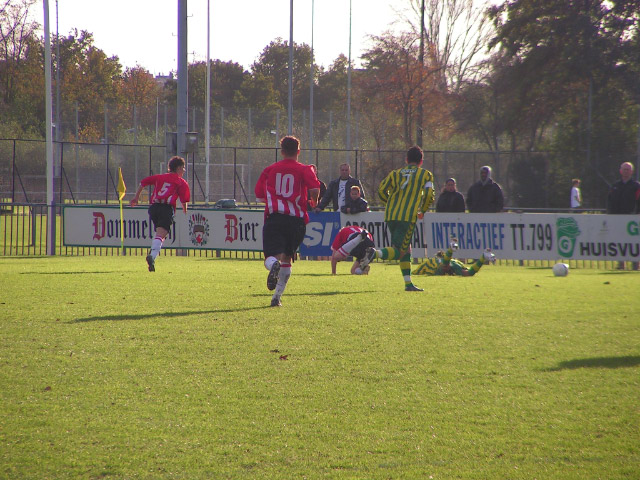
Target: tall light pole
<point>349,87</point>
<point>421,61</point>
<point>51,217</point>
<point>207,120</point>
<point>290,103</point>
<point>311,82</point>
<point>182,100</point>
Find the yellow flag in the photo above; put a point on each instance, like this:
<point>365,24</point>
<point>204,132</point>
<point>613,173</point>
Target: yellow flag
<point>122,188</point>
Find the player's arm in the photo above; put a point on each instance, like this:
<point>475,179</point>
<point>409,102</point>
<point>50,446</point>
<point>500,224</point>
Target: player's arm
<point>335,258</point>
<point>260,189</point>
<point>383,189</point>
<point>429,194</point>
<point>314,193</point>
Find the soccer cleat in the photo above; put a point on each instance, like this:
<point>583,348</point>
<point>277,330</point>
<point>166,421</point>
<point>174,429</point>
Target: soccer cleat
<point>364,235</point>
<point>365,270</point>
<point>453,244</point>
<point>412,288</point>
<point>488,256</point>
<point>152,263</point>
<point>369,254</point>
<point>272,279</point>
<point>275,302</point>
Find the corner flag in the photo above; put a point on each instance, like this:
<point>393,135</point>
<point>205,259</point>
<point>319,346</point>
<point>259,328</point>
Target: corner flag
<point>122,189</point>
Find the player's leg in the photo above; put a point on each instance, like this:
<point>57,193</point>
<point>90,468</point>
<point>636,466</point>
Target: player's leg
<point>162,218</point>
<point>404,234</point>
<point>273,248</point>
<point>294,230</point>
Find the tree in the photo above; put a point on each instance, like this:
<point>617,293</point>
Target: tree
<point>273,64</point>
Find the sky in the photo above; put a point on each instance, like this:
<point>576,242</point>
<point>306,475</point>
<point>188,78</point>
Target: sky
<point>144,32</point>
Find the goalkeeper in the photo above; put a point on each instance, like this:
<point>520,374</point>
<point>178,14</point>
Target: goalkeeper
<point>443,264</point>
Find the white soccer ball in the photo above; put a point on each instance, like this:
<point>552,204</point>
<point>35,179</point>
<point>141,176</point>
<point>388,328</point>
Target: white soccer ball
<point>560,269</point>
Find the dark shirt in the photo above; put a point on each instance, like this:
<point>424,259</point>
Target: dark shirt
<point>357,206</point>
<point>323,189</point>
<point>487,198</point>
<point>624,198</point>
<point>450,202</point>
<point>332,192</point>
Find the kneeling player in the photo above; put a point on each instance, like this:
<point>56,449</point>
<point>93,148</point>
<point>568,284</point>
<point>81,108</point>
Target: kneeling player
<point>351,241</point>
<point>443,264</point>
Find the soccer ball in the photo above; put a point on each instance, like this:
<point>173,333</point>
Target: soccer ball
<point>560,269</point>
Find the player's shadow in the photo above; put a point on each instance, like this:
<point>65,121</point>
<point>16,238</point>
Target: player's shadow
<point>597,362</point>
<point>167,315</point>
<point>62,273</point>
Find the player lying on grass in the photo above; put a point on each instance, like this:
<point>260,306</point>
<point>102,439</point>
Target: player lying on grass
<point>351,241</point>
<point>443,264</point>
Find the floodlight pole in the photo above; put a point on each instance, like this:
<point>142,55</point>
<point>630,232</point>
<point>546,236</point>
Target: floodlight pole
<point>51,217</point>
<point>311,82</point>
<point>290,102</point>
<point>182,100</point>
<point>207,120</point>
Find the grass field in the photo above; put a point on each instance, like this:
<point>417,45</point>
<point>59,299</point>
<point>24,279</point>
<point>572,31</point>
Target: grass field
<point>109,371</point>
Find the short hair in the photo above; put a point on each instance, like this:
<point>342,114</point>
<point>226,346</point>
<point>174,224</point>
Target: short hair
<point>487,168</point>
<point>575,180</point>
<point>356,188</point>
<point>414,155</point>
<point>175,163</point>
<point>450,180</point>
<point>289,145</point>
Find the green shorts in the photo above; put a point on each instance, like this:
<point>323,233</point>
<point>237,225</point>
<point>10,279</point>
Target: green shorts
<point>401,233</point>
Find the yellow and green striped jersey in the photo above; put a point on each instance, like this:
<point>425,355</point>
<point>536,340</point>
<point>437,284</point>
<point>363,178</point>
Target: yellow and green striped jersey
<point>407,192</point>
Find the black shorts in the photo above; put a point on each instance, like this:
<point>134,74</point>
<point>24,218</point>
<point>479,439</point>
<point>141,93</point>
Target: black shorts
<point>359,251</point>
<point>161,215</point>
<point>282,234</point>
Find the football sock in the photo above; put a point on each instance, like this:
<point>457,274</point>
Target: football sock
<point>269,261</point>
<point>350,245</point>
<point>283,278</point>
<point>476,266</point>
<point>405,268</point>
<point>156,246</point>
<point>388,253</point>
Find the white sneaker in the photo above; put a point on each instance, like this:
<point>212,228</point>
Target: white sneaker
<point>453,244</point>
<point>488,256</point>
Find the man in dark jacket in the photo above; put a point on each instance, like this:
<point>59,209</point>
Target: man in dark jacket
<point>624,195</point>
<point>485,196</point>
<point>624,198</point>
<point>450,200</point>
<point>338,189</point>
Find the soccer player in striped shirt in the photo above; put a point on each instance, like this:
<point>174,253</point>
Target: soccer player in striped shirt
<point>167,189</point>
<point>285,187</point>
<point>443,264</point>
<point>407,193</point>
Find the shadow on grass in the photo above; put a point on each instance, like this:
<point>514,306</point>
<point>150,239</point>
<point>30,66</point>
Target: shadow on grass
<point>110,318</point>
<point>314,294</point>
<point>62,273</point>
<point>597,362</point>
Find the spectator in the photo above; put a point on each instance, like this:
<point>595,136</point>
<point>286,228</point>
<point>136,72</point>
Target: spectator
<point>407,193</point>
<point>450,200</point>
<point>355,203</point>
<point>576,195</point>
<point>167,189</point>
<point>338,189</point>
<point>624,198</point>
<point>323,189</point>
<point>351,241</point>
<point>485,196</point>
<point>283,186</point>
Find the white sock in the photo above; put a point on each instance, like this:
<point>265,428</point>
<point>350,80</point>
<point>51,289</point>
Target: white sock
<point>350,245</point>
<point>285,273</point>
<point>156,246</point>
<point>269,261</point>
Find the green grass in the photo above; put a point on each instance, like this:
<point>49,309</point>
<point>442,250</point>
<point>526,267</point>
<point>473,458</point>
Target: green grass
<point>109,371</point>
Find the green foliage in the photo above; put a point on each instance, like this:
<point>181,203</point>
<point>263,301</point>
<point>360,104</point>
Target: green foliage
<point>187,373</point>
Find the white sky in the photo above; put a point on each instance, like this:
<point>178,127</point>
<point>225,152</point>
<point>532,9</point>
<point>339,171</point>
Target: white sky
<point>144,32</point>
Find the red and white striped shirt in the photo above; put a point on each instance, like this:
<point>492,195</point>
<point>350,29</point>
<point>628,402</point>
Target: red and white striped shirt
<point>344,235</point>
<point>167,188</point>
<point>283,187</point>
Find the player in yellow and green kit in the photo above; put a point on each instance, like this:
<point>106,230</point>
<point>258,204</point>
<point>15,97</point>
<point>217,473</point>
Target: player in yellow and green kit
<point>407,193</point>
<point>443,264</point>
